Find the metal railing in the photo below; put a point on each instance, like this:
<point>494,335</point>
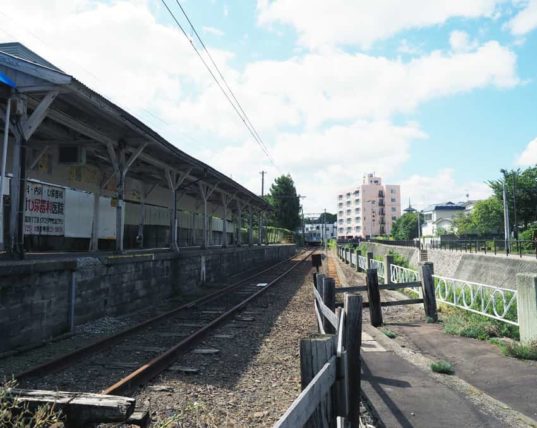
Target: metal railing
<point>353,258</point>
<point>362,262</point>
<point>379,266</point>
<point>487,300</point>
<point>487,246</point>
<point>400,274</point>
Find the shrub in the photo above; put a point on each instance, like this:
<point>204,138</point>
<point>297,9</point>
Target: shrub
<point>442,367</point>
<point>391,334</point>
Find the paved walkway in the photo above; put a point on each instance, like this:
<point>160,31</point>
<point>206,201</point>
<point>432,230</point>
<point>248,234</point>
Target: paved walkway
<point>399,383</point>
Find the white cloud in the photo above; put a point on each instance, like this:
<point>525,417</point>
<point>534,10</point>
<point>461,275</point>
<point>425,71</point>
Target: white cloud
<point>326,116</point>
<point>323,161</point>
<point>442,187</point>
<point>460,41</point>
<point>213,31</point>
<point>529,155</point>
<point>321,23</point>
<point>525,20</point>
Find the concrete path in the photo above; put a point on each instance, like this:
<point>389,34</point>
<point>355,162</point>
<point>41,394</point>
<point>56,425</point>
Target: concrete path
<point>479,363</point>
<point>403,390</point>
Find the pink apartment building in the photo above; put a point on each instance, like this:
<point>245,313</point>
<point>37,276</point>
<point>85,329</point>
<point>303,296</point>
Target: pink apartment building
<point>368,209</point>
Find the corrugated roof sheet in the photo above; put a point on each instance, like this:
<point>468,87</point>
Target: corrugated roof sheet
<point>19,50</point>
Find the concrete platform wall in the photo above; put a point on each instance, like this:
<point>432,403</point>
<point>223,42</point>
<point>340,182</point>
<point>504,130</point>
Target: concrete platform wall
<point>486,269</point>
<point>36,296</point>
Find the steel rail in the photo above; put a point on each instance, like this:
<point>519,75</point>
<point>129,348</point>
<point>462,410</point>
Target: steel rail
<point>69,358</point>
<point>158,364</point>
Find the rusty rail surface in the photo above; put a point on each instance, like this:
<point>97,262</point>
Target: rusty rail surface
<point>70,358</point>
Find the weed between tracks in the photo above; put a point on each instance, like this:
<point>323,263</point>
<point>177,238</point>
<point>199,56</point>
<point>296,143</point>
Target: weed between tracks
<point>18,415</point>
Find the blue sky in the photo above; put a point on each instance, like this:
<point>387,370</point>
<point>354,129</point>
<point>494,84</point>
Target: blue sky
<point>436,96</point>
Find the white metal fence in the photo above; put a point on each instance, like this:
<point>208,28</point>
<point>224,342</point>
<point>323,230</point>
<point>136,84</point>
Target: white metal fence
<point>379,266</point>
<point>362,262</point>
<point>487,300</point>
<point>400,274</point>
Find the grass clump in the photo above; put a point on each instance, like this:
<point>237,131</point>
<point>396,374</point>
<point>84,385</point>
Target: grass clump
<point>522,351</point>
<point>389,333</point>
<point>467,324</point>
<point>442,367</point>
<point>15,414</point>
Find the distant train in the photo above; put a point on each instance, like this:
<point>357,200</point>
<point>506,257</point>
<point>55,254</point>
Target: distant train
<point>313,237</point>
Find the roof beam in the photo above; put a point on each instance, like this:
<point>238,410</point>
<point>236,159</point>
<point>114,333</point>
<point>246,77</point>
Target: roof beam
<point>34,70</point>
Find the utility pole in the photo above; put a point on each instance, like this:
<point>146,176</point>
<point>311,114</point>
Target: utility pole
<point>505,220</point>
<point>262,196</point>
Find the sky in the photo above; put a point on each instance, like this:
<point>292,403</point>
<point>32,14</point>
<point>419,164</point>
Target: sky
<point>436,96</point>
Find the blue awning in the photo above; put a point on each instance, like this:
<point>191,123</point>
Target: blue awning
<point>5,80</point>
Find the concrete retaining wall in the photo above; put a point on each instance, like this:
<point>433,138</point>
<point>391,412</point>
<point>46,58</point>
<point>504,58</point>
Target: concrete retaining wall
<point>486,269</point>
<point>35,296</point>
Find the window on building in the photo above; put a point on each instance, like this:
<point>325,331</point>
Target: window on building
<point>357,201</point>
<point>340,197</point>
<point>393,199</point>
<point>357,228</point>
<point>357,210</point>
<point>394,209</point>
<point>394,218</point>
<point>392,191</point>
<point>341,213</point>
<point>348,195</point>
<point>357,218</point>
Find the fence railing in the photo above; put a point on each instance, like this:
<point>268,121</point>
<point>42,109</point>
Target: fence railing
<point>362,262</point>
<point>487,300</point>
<point>330,364</point>
<point>379,266</point>
<point>400,274</point>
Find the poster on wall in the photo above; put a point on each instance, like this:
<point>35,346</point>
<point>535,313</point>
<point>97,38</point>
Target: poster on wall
<point>45,210</point>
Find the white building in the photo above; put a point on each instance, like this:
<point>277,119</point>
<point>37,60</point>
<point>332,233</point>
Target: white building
<point>328,230</point>
<point>440,216</point>
<point>368,209</point>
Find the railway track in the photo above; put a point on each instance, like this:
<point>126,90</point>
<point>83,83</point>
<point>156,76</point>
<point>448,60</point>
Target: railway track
<point>122,362</point>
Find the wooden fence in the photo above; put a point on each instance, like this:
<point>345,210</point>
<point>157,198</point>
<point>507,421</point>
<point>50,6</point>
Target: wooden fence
<point>330,363</point>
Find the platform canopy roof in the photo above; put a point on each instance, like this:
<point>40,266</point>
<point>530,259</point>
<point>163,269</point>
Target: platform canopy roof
<point>79,115</point>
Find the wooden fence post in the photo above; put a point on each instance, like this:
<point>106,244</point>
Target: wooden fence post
<point>329,298</point>
<point>373,295</point>
<point>388,262</point>
<point>353,340</point>
<point>427,285</point>
<point>314,353</point>
<point>369,258</point>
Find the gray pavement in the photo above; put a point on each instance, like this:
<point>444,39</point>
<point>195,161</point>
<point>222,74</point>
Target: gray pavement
<point>511,381</point>
<point>403,390</point>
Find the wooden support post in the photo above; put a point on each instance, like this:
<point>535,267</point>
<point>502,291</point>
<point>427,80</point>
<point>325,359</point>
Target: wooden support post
<point>171,176</point>
<point>239,223</point>
<point>14,191</point>
<point>314,354</point>
<point>120,207</point>
<point>94,242</point>
<point>427,286</point>
<point>260,230</point>
<point>329,298</point>
<point>352,305</point>
<point>225,203</point>
<point>250,226</point>
<point>388,262</point>
<point>369,258</point>
<point>373,295</point>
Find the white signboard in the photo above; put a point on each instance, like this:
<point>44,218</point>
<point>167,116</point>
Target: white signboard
<point>45,210</point>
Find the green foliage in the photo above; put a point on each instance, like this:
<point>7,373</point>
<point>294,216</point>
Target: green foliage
<point>525,183</point>
<point>324,218</point>
<point>522,351</point>
<point>405,227</point>
<point>285,203</point>
<point>398,259</point>
<point>486,218</point>
<point>18,415</point>
<point>460,322</point>
<point>389,333</point>
<point>442,367</point>
<point>331,244</point>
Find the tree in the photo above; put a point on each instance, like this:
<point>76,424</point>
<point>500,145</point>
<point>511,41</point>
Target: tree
<point>325,218</point>
<point>285,203</point>
<point>523,185</point>
<point>405,227</point>
<point>485,219</point>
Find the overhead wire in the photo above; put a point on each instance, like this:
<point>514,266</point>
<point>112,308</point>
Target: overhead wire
<point>236,105</point>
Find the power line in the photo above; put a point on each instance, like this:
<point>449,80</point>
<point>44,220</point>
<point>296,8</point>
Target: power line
<point>259,139</point>
<point>238,108</point>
